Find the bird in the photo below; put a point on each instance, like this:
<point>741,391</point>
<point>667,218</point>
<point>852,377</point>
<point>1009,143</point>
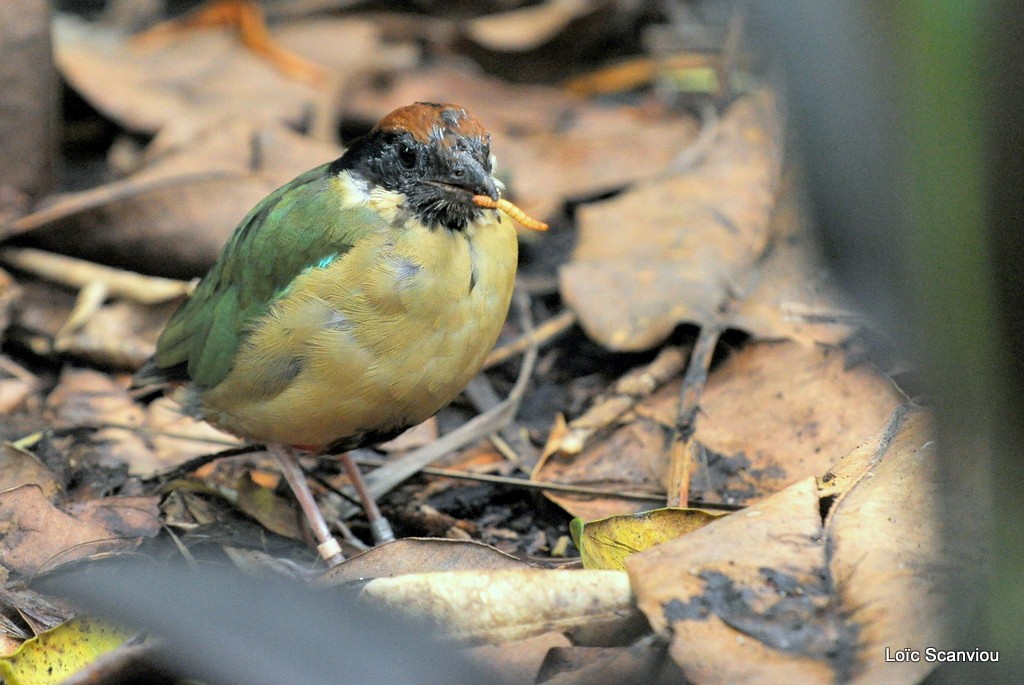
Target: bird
<point>353,302</point>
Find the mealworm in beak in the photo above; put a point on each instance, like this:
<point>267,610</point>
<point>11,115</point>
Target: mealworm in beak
<point>510,209</point>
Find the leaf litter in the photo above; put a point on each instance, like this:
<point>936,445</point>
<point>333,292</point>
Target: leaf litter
<point>680,223</point>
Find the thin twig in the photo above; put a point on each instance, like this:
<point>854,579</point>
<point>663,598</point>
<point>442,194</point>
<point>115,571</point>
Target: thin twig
<point>540,336</point>
<point>549,486</point>
<point>187,467</point>
<point>509,440</point>
<point>684,448</point>
<point>77,274</point>
<point>528,484</point>
<point>62,206</point>
<point>632,387</point>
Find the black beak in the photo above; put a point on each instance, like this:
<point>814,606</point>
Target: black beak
<point>469,174</point>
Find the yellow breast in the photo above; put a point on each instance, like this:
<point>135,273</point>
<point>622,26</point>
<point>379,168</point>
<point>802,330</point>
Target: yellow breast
<point>378,340</point>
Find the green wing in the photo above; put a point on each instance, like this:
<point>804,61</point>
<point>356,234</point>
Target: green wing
<point>299,226</point>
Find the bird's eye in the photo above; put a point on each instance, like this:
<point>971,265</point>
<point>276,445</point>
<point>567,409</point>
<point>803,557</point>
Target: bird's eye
<point>407,155</point>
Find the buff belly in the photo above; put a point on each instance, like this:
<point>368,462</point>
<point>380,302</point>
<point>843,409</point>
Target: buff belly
<point>378,340</point>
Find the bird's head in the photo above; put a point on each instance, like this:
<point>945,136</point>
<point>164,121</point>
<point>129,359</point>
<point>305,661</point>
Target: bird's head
<point>436,157</point>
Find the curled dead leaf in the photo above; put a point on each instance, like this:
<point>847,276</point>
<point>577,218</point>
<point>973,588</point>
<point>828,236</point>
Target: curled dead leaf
<point>497,606</point>
<point>677,249</point>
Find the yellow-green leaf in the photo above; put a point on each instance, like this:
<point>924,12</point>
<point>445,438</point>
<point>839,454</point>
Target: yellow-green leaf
<point>274,513</point>
<point>53,656</point>
<point>605,543</point>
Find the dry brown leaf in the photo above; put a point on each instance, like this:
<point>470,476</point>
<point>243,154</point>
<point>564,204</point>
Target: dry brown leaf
<point>176,438</point>
<point>35,535</point>
<point>631,459</point>
<point>787,411</point>
<point>604,147</point>
<point>126,517</point>
<point>791,294</point>
<point>887,553</point>
<point>208,72</point>
<point>772,414</point>
<point>89,398</point>
<point>420,555</point>
<point>678,249</point>
<point>13,393</point>
<point>174,215</point>
<point>644,662</point>
<point>276,514</point>
<point>770,594</point>
<point>498,606</point>
<point>516,662</point>
<point>120,334</point>
<point>20,467</point>
<point>744,599</point>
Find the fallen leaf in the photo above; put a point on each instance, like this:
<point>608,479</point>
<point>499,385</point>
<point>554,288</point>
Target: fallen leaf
<point>677,249</point>
<point>790,294</point>
<point>84,397</point>
<point>772,414</point>
<point>812,584</point>
<point>53,656</point>
<point>177,437</point>
<point>516,662</point>
<point>163,436</point>
<point>21,467</point>
<point>34,534</point>
<point>120,334</point>
<point>892,573</point>
<point>173,216</point>
<point>274,513</point>
<point>605,543</point>
<point>743,600</point>
<point>419,555</point>
<point>13,393</point>
<point>206,73</point>
<point>498,606</point>
<point>39,612</point>
<point>125,517</point>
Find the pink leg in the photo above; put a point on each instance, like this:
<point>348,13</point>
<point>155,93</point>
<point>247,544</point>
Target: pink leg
<point>328,547</point>
<point>379,525</point>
